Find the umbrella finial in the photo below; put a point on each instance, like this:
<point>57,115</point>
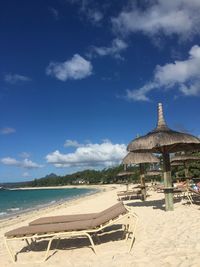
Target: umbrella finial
<point>161,120</point>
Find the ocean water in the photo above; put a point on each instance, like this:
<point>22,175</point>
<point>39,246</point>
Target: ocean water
<point>13,202</point>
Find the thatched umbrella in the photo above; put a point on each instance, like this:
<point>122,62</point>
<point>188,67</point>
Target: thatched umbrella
<point>125,174</point>
<point>141,159</point>
<point>175,164</point>
<point>184,160</point>
<point>165,141</point>
<point>153,173</point>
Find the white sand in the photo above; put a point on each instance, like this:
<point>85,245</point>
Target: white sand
<point>163,239</point>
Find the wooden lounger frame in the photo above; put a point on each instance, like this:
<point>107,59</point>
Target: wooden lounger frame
<point>186,193</point>
<point>128,195</point>
<point>192,193</point>
<point>129,231</point>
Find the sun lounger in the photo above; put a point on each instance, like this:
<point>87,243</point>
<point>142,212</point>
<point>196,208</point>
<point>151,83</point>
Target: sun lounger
<point>194,195</point>
<point>179,192</point>
<point>84,227</point>
<point>127,195</point>
<point>71,218</point>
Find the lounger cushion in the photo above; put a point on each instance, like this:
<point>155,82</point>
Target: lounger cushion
<point>64,218</point>
<point>116,206</point>
<point>50,228</point>
<point>109,215</point>
<point>72,218</point>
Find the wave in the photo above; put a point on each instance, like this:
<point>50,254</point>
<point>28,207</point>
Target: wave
<point>13,209</point>
<point>3,213</point>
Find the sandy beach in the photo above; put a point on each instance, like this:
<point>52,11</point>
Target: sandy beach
<point>162,238</point>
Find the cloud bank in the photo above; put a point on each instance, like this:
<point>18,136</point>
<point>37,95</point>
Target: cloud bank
<point>183,75</point>
<point>26,163</point>
<point>180,17</point>
<point>90,155</point>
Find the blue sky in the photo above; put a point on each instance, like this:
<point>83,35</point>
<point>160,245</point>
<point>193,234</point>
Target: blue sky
<point>79,79</point>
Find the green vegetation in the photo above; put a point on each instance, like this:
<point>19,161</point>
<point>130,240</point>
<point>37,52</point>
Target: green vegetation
<point>194,169</point>
<point>105,176</point>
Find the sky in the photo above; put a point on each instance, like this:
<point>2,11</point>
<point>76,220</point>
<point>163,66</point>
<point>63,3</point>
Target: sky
<point>80,79</point>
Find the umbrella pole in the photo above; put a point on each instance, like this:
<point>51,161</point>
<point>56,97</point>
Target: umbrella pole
<point>125,169</point>
<point>168,190</point>
<point>186,169</point>
<point>142,182</point>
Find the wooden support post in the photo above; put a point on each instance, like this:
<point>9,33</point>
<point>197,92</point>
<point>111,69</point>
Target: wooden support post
<point>142,182</point>
<point>186,169</point>
<point>125,169</point>
<point>169,203</point>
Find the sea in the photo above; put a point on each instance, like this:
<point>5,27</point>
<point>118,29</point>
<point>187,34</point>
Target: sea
<point>17,201</point>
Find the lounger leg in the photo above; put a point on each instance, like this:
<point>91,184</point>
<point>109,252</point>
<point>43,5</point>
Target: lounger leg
<point>131,244</point>
<point>10,252</point>
<point>189,197</point>
<point>127,232</point>
<point>124,231</point>
<point>133,228</point>
<point>92,243</point>
<point>48,248</point>
<point>28,244</point>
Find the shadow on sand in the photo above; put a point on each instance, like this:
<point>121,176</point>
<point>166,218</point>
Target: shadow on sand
<point>155,204</point>
<point>111,233</point>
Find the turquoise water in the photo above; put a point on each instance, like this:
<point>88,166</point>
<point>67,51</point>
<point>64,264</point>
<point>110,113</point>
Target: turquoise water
<point>16,201</point>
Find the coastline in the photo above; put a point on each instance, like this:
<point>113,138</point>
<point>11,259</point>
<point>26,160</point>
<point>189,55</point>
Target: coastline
<point>167,239</point>
<point>57,187</point>
<point>50,207</point>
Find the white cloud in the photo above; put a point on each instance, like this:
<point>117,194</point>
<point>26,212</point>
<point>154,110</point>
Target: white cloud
<point>116,47</point>
<point>140,94</point>
<point>10,161</point>
<point>76,68</point>
<point>7,130</point>
<point>89,155</point>
<point>94,15</point>
<point>26,174</point>
<point>25,155</point>
<point>26,163</point>
<point>183,75</point>
<point>180,17</point>
<point>54,12</point>
<point>71,143</point>
<point>89,9</point>
<point>14,78</point>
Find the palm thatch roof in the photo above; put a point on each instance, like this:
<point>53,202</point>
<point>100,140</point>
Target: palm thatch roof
<point>125,173</point>
<point>153,173</point>
<point>137,158</point>
<point>173,164</point>
<point>164,140</point>
<point>184,158</point>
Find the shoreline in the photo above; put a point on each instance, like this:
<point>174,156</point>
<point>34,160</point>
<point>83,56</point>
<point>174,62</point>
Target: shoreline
<point>56,187</point>
<point>168,239</point>
<point>50,207</point>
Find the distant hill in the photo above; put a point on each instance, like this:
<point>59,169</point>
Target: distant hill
<point>51,175</point>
